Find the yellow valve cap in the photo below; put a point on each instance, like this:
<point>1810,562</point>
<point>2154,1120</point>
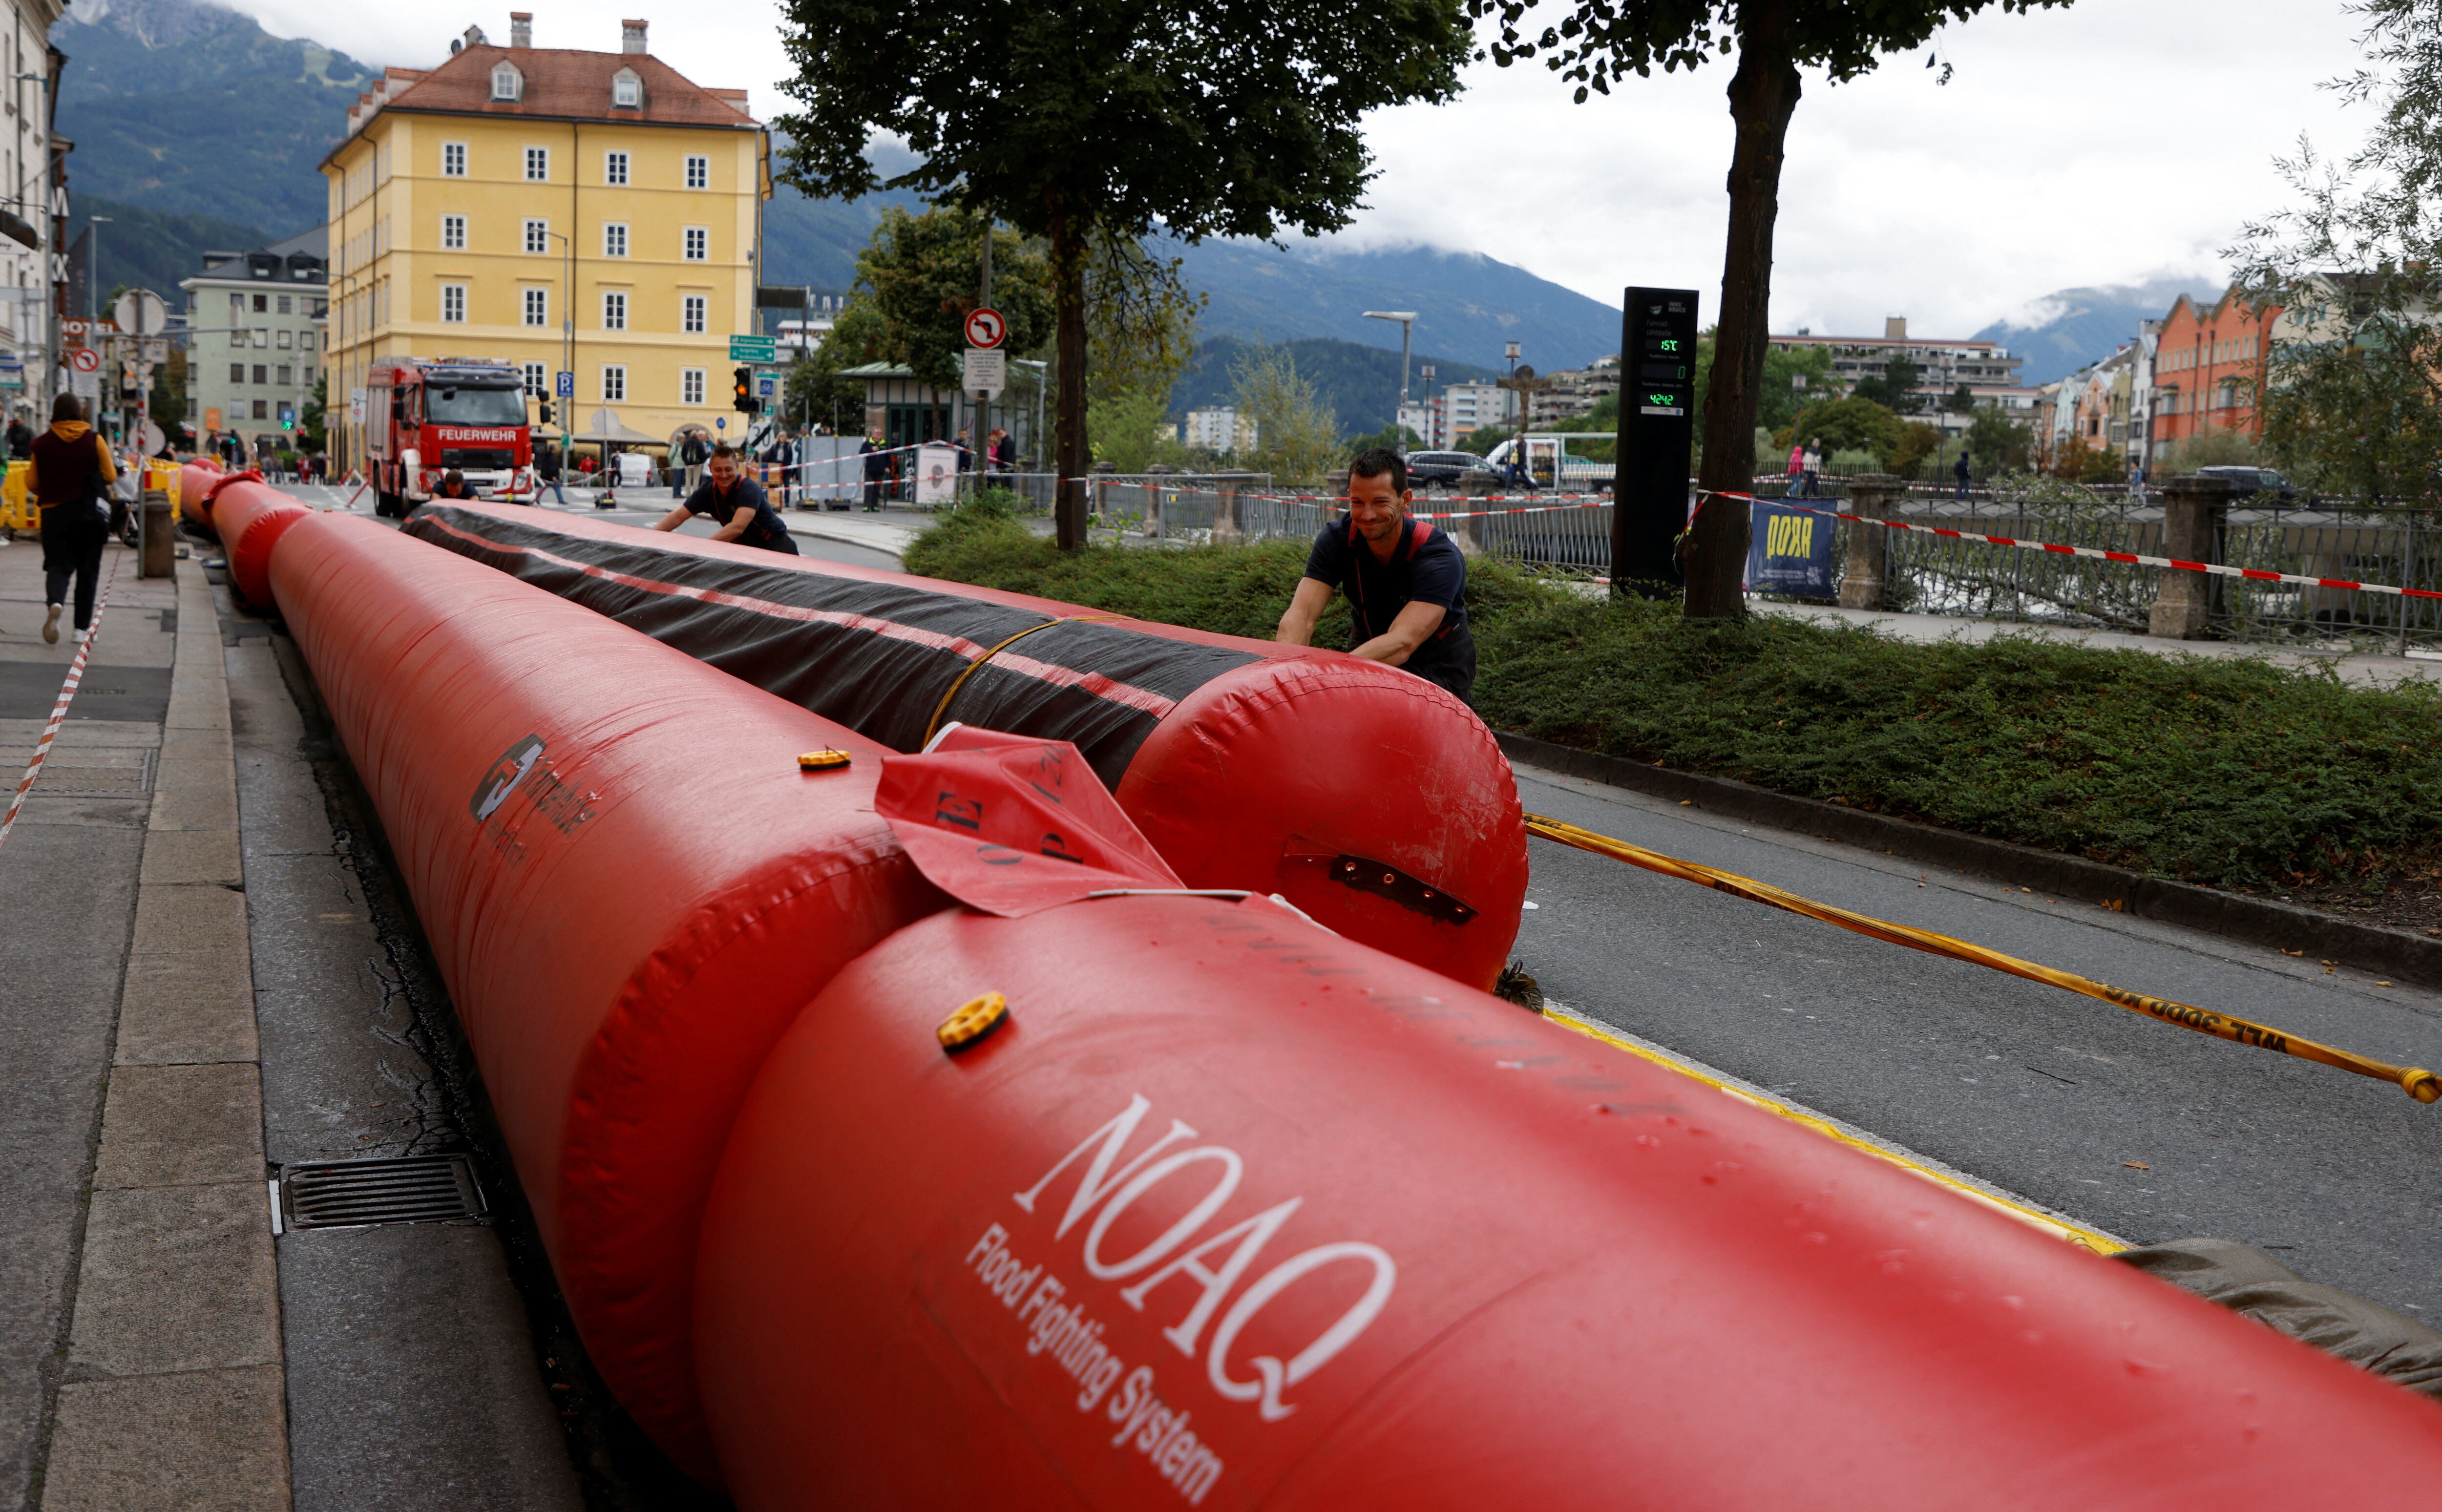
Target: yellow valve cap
<point>822,760</point>
<point>971,1022</point>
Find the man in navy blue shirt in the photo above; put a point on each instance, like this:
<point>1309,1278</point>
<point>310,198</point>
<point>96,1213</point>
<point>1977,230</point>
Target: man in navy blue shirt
<point>735,504</point>
<point>1406,581</point>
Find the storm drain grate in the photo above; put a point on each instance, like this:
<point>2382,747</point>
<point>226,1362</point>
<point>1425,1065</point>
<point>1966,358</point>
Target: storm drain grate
<point>355,1194</point>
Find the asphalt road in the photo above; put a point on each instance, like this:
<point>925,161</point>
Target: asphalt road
<point>651,504</point>
<point>2133,1126</point>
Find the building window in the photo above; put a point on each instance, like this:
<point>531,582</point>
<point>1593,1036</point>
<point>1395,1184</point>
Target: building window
<point>454,235</point>
<point>309,374</point>
<point>698,243</point>
<point>614,310</point>
<point>262,409</point>
<point>537,236</point>
<point>615,238</point>
<point>261,302</point>
<point>537,165</point>
<point>259,371</point>
<point>691,313</point>
<point>287,376</point>
<point>690,386</point>
<point>284,305</point>
<point>453,159</point>
<point>614,381</point>
<point>261,336</point>
<point>537,306</point>
<point>454,305</point>
<point>237,373</point>
<point>627,92</point>
<point>305,340</point>
<point>282,338</point>
<point>533,375</point>
<point>506,81</point>
<point>699,172</point>
<point>614,167</point>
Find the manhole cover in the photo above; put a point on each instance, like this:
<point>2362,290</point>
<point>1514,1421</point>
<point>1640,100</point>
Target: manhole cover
<point>358,1194</point>
<point>86,772</point>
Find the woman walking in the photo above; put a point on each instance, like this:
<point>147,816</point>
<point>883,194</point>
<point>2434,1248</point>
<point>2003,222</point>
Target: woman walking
<point>71,477</point>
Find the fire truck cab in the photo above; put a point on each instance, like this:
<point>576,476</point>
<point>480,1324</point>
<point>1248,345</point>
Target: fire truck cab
<point>423,418</point>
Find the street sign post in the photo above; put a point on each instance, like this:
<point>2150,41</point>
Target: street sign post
<point>566,385</point>
<point>141,311</point>
<point>753,349</point>
<point>986,328</point>
<point>986,371</point>
<point>1656,441</point>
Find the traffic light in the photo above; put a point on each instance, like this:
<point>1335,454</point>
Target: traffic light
<point>287,417</point>
<point>742,385</point>
<point>545,408</point>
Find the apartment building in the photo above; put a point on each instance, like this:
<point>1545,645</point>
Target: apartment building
<point>34,212</point>
<point>595,213</point>
<point>1469,406</point>
<point>1989,370</point>
<point>1220,429</point>
<point>255,320</point>
<point>2208,366</point>
<point>1575,391</point>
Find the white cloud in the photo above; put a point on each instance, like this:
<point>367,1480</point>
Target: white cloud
<point>2110,143</point>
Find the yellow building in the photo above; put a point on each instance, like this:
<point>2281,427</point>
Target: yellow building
<point>469,201</point>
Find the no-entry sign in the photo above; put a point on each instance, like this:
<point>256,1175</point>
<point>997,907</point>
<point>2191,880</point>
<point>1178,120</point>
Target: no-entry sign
<point>984,328</point>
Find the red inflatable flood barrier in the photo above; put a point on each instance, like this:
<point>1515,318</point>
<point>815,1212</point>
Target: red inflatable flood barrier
<point>250,518</point>
<point>628,884</point>
<point>1230,1213</point>
<point>1368,797</point>
<point>197,476</point>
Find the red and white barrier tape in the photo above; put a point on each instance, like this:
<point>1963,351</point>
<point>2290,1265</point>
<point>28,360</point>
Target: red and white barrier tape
<point>59,709</point>
<point>2099,553</point>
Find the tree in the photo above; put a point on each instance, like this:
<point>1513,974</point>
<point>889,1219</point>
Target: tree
<point>1297,437</point>
<point>1392,437</point>
<point>1894,388</point>
<point>2351,398</point>
<point>1997,442</point>
<point>1602,41</point>
<point>1848,425</point>
<point>1961,401</point>
<point>922,274</point>
<point>311,435</point>
<point>1108,119</point>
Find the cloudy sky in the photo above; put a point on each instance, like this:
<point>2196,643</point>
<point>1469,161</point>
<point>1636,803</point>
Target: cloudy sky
<point>2113,141</point>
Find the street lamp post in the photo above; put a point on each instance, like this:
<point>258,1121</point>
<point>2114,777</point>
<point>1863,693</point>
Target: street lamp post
<point>566,355</point>
<point>1407,320</point>
<point>93,270</point>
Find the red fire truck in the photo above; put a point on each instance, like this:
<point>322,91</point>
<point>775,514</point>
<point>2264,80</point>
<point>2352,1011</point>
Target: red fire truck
<point>425,416</point>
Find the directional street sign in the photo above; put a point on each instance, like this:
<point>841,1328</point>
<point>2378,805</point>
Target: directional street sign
<point>987,372</point>
<point>567,385</point>
<point>986,328</point>
<point>753,349</point>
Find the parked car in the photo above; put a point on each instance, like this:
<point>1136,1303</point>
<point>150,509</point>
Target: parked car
<point>2247,481</point>
<point>1440,469</point>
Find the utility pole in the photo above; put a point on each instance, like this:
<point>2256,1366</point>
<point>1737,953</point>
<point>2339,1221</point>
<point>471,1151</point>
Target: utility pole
<point>976,437</point>
<point>93,270</point>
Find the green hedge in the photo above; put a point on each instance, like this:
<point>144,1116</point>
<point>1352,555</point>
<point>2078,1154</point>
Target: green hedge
<point>2229,773</point>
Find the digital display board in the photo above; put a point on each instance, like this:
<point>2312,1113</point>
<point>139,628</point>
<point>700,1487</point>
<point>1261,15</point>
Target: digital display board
<point>1656,439</point>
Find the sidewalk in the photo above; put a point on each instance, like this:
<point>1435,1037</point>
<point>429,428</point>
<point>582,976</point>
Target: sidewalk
<point>2369,672</point>
<point>195,991</point>
<point>892,530</point>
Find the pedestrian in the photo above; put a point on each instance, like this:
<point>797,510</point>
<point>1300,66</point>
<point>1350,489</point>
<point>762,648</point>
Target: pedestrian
<point>1004,450</point>
<point>966,453</point>
<point>876,470</point>
<point>1963,470</point>
<point>736,504</point>
<point>547,476</point>
<point>691,455</point>
<point>1813,483</point>
<point>783,456</point>
<point>69,476</point>
<point>21,438</point>
<point>1796,468</point>
<point>1405,578</point>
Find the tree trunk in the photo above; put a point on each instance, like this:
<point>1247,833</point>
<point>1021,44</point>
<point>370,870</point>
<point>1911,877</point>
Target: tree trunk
<point>1068,453</point>
<point>1763,94</point>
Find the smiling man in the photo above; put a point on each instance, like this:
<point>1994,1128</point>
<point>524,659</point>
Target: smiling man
<point>1406,581</point>
<point>735,504</point>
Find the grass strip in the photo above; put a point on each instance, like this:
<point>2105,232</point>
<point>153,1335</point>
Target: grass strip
<point>2234,773</point>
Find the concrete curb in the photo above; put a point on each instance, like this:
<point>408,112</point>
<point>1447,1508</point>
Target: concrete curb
<point>2365,947</point>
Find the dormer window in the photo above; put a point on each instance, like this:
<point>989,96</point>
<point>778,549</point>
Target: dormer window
<point>507,84</point>
<point>626,90</point>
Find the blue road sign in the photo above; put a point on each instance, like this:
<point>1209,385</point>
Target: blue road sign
<point>720,422</point>
<point>764,385</point>
<point>566,387</point>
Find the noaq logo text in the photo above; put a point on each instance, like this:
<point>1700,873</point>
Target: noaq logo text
<point>1180,1265</point>
<point>564,806</point>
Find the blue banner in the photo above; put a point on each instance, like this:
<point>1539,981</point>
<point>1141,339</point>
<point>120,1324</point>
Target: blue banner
<point>1791,553</point>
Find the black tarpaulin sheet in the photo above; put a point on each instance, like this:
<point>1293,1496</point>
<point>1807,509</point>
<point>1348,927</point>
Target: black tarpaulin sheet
<point>877,657</point>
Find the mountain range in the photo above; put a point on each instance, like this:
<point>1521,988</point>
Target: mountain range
<point>194,128</point>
